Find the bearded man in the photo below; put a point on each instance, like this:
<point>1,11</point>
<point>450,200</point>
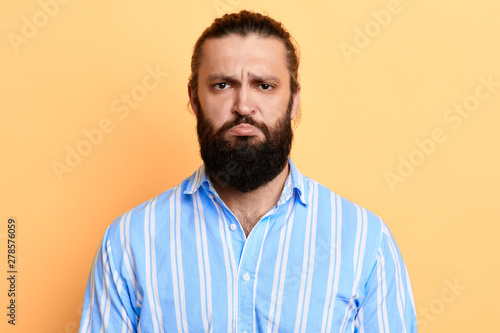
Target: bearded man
<point>247,243</point>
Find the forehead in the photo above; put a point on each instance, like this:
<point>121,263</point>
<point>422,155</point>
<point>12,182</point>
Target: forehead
<point>237,55</point>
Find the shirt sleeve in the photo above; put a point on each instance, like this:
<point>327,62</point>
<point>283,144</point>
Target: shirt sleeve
<point>106,298</point>
<point>388,305</point>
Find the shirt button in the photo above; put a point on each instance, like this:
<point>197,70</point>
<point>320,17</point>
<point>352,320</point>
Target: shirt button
<point>246,277</point>
<point>232,227</point>
<point>211,195</point>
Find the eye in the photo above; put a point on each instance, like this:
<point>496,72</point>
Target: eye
<point>265,86</point>
<point>221,85</point>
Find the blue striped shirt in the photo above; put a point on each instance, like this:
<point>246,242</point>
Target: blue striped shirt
<point>316,262</point>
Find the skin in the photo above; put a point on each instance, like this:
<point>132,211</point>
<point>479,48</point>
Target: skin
<point>246,76</point>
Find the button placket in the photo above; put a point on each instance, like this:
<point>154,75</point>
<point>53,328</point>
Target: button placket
<point>247,278</point>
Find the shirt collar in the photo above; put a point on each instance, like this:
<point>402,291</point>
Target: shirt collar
<point>295,181</point>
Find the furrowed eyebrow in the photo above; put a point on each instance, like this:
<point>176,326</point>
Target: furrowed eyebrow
<point>254,77</point>
<point>220,77</point>
<point>264,78</point>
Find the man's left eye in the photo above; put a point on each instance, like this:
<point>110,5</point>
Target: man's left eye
<point>265,86</point>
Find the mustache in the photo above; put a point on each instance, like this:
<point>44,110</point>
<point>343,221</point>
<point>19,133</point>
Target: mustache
<point>243,120</point>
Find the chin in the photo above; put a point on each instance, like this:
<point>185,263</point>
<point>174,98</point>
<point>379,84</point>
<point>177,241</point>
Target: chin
<point>249,139</point>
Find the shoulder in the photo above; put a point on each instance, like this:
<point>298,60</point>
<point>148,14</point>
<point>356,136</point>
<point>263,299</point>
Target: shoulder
<point>131,224</point>
<point>354,217</point>
<point>330,206</point>
<point>362,233</point>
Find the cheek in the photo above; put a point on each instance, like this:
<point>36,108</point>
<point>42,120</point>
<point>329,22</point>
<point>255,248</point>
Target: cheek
<point>218,110</point>
<point>274,109</point>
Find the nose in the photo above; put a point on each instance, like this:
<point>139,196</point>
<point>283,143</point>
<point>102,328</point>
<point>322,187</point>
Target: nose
<point>243,103</point>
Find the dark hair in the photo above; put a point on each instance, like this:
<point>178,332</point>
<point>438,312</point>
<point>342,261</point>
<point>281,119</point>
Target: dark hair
<point>245,23</point>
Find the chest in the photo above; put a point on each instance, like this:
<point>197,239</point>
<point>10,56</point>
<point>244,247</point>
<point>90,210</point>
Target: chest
<point>248,220</point>
<point>252,301</point>
<point>268,283</point>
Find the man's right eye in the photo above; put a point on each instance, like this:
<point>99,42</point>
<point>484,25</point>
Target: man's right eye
<point>221,85</point>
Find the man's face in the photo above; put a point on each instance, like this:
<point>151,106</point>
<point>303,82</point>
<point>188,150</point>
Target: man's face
<point>244,109</point>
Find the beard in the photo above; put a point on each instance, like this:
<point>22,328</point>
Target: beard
<point>246,163</point>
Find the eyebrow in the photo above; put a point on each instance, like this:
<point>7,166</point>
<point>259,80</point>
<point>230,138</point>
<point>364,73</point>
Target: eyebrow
<point>255,77</point>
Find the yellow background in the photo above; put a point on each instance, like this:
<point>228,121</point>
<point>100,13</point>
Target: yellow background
<point>361,113</point>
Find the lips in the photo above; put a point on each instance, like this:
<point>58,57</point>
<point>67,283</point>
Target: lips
<point>244,130</point>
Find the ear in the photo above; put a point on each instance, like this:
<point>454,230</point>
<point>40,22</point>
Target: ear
<point>192,100</point>
<point>295,103</point>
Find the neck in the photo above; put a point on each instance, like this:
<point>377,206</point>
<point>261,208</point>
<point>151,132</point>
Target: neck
<point>251,206</point>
